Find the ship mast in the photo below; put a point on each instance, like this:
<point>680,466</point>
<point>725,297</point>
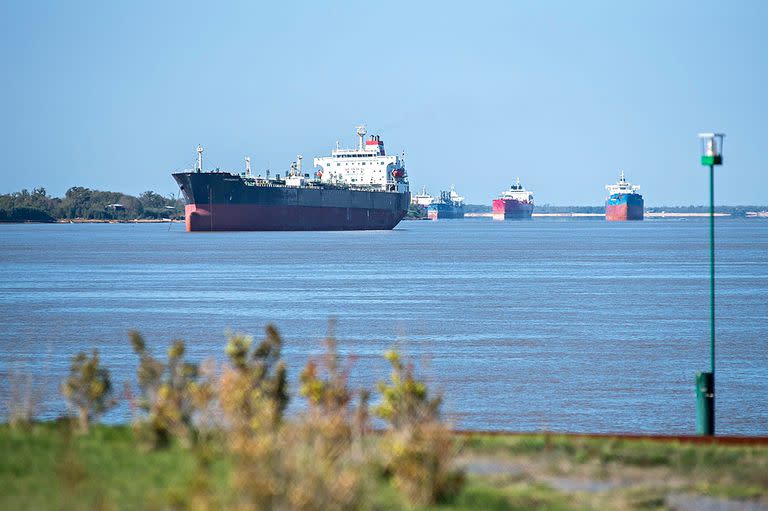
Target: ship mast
<point>361,133</point>
<point>199,158</point>
<point>247,166</point>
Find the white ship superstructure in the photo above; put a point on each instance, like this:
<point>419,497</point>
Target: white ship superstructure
<point>457,199</point>
<point>518,193</point>
<point>365,166</point>
<point>423,199</point>
<point>622,187</point>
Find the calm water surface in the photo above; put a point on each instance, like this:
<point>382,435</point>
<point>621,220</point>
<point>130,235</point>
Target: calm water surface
<point>572,325</point>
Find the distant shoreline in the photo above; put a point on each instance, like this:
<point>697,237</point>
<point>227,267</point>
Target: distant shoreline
<point>133,221</point>
<point>95,221</point>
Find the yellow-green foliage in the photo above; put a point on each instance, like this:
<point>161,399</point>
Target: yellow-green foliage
<point>326,461</point>
<point>405,400</point>
<point>88,388</point>
<point>254,389</point>
<point>168,396</point>
<point>418,448</point>
<point>253,394</point>
<point>320,459</point>
<point>421,460</point>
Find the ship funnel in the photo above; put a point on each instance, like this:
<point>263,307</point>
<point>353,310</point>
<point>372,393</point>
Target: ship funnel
<point>248,166</point>
<point>298,163</point>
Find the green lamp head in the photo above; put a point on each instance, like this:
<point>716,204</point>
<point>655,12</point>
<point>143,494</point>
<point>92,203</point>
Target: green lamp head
<point>711,148</point>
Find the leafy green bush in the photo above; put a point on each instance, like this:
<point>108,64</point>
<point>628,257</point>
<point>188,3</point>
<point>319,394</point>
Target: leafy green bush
<point>169,393</point>
<point>320,459</point>
<point>418,447</point>
<point>88,388</point>
<point>254,394</point>
<point>327,463</point>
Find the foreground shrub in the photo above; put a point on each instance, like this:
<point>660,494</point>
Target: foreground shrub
<point>418,448</point>
<point>167,394</point>
<point>88,389</point>
<point>320,459</point>
<point>254,395</point>
<point>327,464</point>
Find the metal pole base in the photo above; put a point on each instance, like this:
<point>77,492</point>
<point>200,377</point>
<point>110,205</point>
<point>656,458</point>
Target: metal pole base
<point>705,404</point>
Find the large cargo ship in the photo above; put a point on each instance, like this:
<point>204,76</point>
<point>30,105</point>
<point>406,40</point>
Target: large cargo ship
<point>353,189</point>
<point>513,204</point>
<point>448,205</point>
<point>623,202</point>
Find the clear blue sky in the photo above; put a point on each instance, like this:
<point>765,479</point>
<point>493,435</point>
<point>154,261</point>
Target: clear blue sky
<point>116,95</point>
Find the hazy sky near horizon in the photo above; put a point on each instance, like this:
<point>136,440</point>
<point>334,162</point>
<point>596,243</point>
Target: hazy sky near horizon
<point>116,95</point>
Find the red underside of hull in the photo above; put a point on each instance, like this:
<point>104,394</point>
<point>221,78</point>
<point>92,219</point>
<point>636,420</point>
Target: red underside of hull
<point>507,209</point>
<point>621,212</point>
<point>254,217</point>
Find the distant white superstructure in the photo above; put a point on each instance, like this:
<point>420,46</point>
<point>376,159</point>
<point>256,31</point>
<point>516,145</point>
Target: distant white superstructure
<point>456,198</point>
<point>365,166</point>
<point>423,198</point>
<point>518,193</point>
<point>621,187</point>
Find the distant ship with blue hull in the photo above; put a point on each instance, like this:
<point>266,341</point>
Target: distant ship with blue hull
<point>623,202</point>
<point>449,205</point>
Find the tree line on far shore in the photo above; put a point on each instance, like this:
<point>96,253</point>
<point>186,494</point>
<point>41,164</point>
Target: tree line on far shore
<point>83,203</point>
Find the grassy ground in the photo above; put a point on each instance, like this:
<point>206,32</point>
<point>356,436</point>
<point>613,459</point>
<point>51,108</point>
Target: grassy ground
<point>605,473</point>
<point>44,468</point>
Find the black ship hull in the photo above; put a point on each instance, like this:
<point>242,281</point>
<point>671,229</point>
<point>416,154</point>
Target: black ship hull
<point>218,201</point>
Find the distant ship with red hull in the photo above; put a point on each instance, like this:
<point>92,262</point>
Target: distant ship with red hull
<point>353,189</point>
<point>623,202</point>
<point>514,204</point>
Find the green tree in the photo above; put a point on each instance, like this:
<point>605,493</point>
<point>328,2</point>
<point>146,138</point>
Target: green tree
<point>151,199</point>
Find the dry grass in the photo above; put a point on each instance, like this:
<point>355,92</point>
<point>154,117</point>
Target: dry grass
<point>25,394</point>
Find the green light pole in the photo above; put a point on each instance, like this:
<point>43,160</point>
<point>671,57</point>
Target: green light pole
<point>711,155</point>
